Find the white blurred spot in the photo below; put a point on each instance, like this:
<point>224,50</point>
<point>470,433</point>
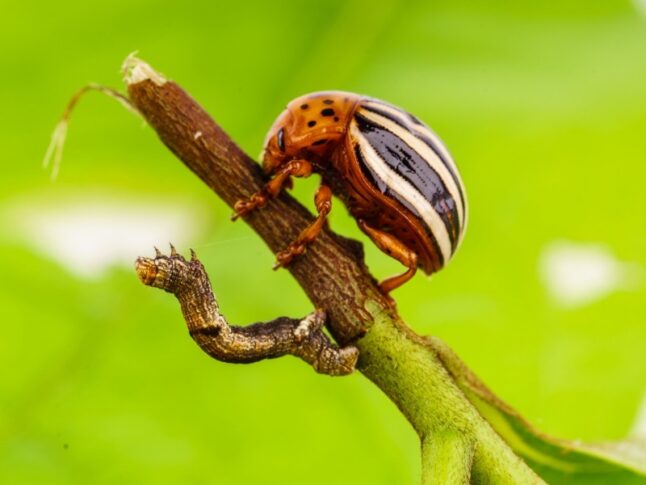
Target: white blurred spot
<point>88,235</point>
<point>576,274</point>
<point>640,6</point>
<point>639,428</point>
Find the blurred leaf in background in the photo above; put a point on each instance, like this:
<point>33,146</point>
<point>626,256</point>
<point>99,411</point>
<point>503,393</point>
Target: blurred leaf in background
<point>543,106</point>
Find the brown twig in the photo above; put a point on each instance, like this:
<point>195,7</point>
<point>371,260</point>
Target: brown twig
<point>303,338</point>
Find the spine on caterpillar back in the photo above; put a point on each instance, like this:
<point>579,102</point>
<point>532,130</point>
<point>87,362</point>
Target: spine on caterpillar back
<point>408,162</point>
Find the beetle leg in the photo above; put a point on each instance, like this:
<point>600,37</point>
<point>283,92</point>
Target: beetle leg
<point>394,248</point>
<point>282,178</point>
<point>323,202</point>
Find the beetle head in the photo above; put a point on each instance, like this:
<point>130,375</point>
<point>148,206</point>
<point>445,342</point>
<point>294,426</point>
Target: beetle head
<point>310,128</point>
<point>278,148</point>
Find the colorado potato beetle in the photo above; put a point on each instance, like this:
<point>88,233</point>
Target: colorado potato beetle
<point>392,172</point>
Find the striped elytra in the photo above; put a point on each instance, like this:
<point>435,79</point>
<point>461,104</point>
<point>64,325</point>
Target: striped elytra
<point>392,172</point>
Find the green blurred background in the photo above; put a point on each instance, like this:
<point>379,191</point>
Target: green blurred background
<point>543,105</point>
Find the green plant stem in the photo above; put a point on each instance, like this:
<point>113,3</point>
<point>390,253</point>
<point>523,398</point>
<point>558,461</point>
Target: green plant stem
<point>407,368</point>
<point>447,459</point>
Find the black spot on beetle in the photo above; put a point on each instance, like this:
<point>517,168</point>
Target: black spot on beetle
<point>327,112</point>
<point>305,106</point>
<point>311,123</point>
<point>319,142</point>
<point>328,101</point>
<point>336,118</point>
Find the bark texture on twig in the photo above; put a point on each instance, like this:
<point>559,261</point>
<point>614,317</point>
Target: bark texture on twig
<point>303,338</point>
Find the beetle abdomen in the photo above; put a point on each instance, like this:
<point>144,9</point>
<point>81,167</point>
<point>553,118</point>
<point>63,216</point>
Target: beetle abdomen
<point>407,162</point>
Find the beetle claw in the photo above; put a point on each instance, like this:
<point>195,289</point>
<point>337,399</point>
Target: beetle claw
<point>284,258</point>
<point>241,208</point>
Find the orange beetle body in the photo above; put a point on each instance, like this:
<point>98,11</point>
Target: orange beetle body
<point>390,170</point>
